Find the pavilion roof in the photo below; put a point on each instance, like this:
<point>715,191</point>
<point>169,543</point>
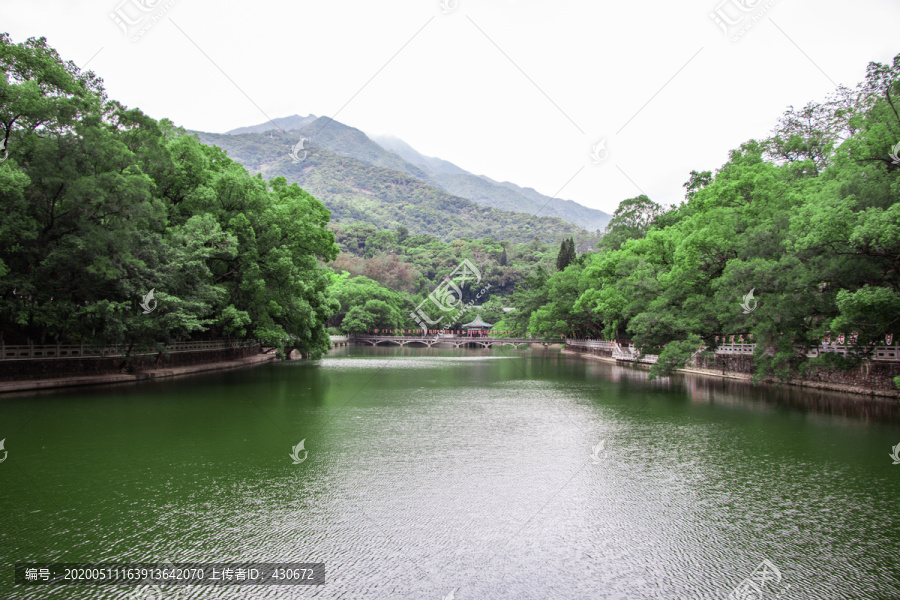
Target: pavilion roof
<point>477,323</point>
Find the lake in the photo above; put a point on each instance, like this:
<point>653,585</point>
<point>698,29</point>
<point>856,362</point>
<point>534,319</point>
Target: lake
<point>463,474</point>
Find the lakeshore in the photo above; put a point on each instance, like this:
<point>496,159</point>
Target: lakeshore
<point>728,374</point>
<point>142,375</point>
<point>148,374</point>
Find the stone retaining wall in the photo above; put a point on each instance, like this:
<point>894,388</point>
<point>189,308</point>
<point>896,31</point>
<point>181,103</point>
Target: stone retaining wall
<point>871,378</point>
<point>730,363</point>
<point>28,369</point>
<point>605,352</point>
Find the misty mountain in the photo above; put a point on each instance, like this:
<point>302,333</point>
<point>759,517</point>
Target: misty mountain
<point>364,182</point>
<point>391,152</point>
<point>286,123</point>
<point>411,155</point>
<point>484,190</point>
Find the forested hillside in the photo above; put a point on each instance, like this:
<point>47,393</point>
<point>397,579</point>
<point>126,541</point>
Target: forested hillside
<point>108,212</point>
<point>808,220</point>
<point>805,223</point>
<point>400,270</point>
<point>357,191</point>
<point>359,180</point>
<point>486,191</point>
<point>103,205</point>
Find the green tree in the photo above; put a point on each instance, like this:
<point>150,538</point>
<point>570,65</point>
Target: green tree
<point>561,314</point>
<point>566,254</point>
<point>374,314</point>
<point>529,296</point>
<point>103,204</point>
<point>355,293</point>
<point>632,219</point>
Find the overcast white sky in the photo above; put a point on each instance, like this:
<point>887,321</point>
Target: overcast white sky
<point>519,90</point>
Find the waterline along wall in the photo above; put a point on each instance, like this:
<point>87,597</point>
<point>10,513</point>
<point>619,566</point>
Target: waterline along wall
<point>873,377</point>
<point>59,365</point>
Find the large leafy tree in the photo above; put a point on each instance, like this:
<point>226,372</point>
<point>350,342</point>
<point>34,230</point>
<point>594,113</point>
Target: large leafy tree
<point>632,219</point>
<point>365,305</point>
<point>807,220</point>
<point>562,314</point>
<point>529,296</point>
<point>103,204</point>
<point>374,314</point>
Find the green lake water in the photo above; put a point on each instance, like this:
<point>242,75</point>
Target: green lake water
<point>464,474</point>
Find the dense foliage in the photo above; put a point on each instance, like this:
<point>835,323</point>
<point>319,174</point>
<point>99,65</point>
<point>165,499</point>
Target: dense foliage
<point>404,269</point>
<point>102,204</point>
<point>808,220</point>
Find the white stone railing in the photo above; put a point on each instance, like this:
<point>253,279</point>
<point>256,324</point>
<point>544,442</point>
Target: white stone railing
<point>631,353</point>
<point>443,336</point>
<point>589,343</point>
<point>39,351</point>
<point>734,349</point>
<point>628,352</point>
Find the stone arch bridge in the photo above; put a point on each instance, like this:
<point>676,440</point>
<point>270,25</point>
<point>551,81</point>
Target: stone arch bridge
<point>457,341</point>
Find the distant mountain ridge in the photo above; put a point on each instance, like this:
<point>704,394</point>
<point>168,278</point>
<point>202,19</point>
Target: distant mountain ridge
<point>360,181</point>
<point>411,155</point>
<point>285,123</point>
<point>391,152</point>
<point>506,195</point>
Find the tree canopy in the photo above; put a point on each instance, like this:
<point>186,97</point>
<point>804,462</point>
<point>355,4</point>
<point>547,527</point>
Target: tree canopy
<point>808,220</point>
<point>103,204</point>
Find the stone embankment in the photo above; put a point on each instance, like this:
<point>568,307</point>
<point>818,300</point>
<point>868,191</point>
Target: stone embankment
<point>872,378</point>
<point>39,374</point>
